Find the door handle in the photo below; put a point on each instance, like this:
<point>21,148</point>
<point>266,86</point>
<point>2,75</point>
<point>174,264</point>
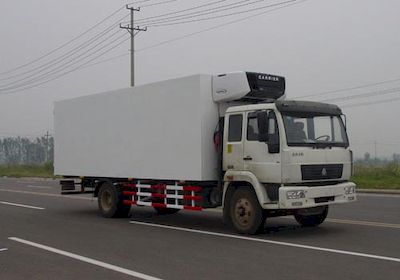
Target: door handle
<point>248,158</point>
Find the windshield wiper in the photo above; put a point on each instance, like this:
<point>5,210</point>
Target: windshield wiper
<point>318,145</point>
<point>323,144</point>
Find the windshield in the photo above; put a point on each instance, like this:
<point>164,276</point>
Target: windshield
<point>315,131</point>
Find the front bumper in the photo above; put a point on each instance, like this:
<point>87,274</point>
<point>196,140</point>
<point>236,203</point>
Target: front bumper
<point>315,196</point>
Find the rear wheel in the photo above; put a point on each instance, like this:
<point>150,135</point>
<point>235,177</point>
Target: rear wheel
<point>312,220</point>
<point>110,201</point>
<point>245,212</point>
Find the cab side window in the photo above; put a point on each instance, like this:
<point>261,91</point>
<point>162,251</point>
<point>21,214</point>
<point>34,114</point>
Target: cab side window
<point>252,128</point>
<point>235,128</point>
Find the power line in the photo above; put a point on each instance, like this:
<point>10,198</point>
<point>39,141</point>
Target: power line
<point>220,25</point>
<point>105,60</point>
<point>182,11</point>
<point>352,88</point>
<point>218,9</point>
<point>65,73</point>
<point>35,76</point>
<point>11,87</point>
<point>138,2</point>
<point>61,67</point>
<point>24,86</point>
<point>68,54</point>
<point>87,63</point>
<point>377,143</point>
<point>194,33</point>
<point>156,4</point>
<point>63,45</point>
<point>162,24</point>
<point>363,95</point>
<point>371,103</point>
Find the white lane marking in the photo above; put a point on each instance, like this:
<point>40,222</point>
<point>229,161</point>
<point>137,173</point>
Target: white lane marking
<point>22,205</point>
<point>343,252</point>
<point>331,220</point>
<point>363,223</point>
<point>48,194</point>
<point>3,249</point>
<point>216,210</point>
<point>219,210</point>
<point>38,187</point>
<point>353,222</point>
<point>379,195</point>
<point>86,259</point>
<point>30,179</point>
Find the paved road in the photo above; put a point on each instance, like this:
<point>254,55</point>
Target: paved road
<point>44,235</point>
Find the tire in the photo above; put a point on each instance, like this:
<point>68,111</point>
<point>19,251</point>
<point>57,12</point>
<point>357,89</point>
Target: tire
<point>245,213</point>
<point>110,201</point>
<point>166,211</point>
<point>312,220</point>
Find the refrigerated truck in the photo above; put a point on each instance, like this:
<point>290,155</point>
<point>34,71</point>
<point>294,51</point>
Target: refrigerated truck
<point>205,141</point>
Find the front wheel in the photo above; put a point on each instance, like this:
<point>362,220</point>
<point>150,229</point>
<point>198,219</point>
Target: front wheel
<point>312,220</point>
<point>245,213</point>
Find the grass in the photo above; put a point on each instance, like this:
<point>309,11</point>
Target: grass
<point>41,171</point>
<point>386,176</point>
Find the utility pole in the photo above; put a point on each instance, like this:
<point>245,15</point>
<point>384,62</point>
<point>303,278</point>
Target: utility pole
<point>375,144</point>
<point>131,29</point>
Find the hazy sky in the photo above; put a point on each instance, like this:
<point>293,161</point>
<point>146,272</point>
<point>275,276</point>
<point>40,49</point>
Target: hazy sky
<point>318,45</point>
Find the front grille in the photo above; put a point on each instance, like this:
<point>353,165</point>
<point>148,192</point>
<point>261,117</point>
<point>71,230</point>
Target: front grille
<point>324,199</point>
<point>315,183</point>
<point>321,171</point>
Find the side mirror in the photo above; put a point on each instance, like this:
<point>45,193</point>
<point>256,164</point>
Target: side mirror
<point>262,120</point>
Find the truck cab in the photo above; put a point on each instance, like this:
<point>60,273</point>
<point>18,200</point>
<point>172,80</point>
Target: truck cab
<point>292,156</point>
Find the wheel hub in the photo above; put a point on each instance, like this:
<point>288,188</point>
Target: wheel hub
<point>243,211</point>
<point>106,200</point>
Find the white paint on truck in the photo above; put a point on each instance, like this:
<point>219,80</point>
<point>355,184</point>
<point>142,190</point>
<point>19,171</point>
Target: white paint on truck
<point>162,131</point>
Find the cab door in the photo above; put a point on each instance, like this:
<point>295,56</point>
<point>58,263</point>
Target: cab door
<point>263,162</point>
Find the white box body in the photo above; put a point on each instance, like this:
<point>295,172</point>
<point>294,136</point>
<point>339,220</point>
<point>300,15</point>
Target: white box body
<point>158,131</point>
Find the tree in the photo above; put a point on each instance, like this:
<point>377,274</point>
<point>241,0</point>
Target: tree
<point>17,150</point>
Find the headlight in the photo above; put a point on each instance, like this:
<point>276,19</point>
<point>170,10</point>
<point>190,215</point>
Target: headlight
<point>349,190</point>
<point>295,194</point>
